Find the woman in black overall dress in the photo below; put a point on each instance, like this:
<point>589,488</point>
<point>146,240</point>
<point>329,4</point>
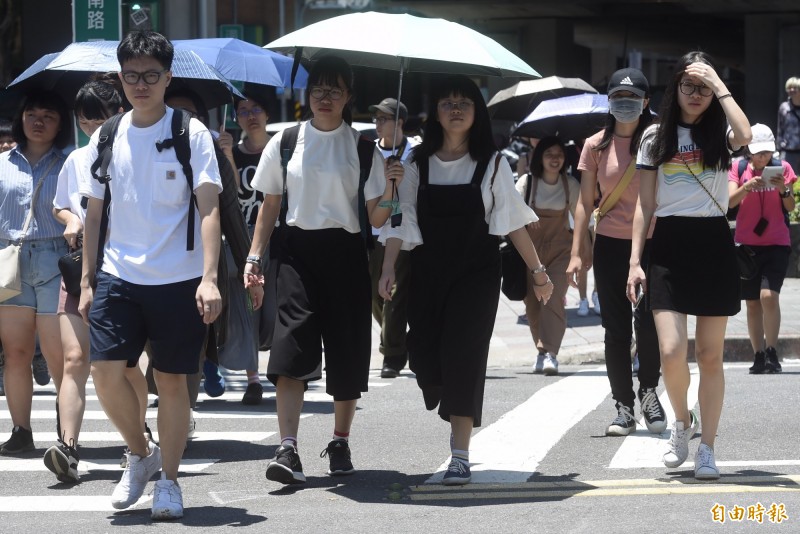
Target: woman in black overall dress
<point>457,197</point>
<point>323,287</point>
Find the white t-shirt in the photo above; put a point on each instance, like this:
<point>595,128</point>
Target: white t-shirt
<point>411,142</point>
<point>76,169</point>
<point>321,179</point>
<point>150,202</point>
<point>678,191</point>
<point>505,209</point>
<point>551,196</point>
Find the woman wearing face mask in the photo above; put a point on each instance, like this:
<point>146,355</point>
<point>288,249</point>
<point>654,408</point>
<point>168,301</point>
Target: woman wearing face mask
<point>608,159</point>
<point>553,196</point>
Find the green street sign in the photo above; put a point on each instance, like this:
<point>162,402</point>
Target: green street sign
<point>96,20</point>
<point>233,31</point>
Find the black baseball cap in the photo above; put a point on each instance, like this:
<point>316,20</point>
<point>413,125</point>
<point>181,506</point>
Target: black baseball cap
<point>389,105</point>
<point>629,79</point>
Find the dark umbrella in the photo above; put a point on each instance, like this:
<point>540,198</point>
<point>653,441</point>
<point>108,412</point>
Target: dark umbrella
<point>66,71</point>
<point>521,98</point>
<point>570,117</point>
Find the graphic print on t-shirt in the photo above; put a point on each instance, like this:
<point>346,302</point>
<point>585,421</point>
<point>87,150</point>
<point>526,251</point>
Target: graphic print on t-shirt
<point>676,171</point>
<point>249,199</point>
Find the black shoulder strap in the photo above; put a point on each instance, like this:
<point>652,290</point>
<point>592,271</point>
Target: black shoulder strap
<point>480,171</point>
<point>288,144</point>
<point>366,150</point>
<point>741,167</point>
<point>180,142</point>
<point>105,146</point>
<point>529,178</point>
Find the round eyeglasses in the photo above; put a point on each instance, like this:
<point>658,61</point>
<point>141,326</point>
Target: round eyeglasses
<point>688,88</point>
<point>150,77</point>
<point>334,93</point>
<point>382,120</point>
<point>246,114</point>
<point>462,105</point>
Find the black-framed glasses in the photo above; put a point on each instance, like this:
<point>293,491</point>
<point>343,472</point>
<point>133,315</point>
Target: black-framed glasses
<point>247,113</point>
<point>150,77</point>
<point>688,88</point>
<point>382,120</point>
<point>462,105</point>
<point>334,93</point>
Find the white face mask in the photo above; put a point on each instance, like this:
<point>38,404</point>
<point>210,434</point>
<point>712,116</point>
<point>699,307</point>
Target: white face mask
<point>626,109</point>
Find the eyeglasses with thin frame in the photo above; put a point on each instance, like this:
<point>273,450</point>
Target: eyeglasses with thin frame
<point>382,120</point>
<point>150,77</point>
<point>688,88</point>
<point>247,113</point>
<point>462,105</point>
<point>334,93</point>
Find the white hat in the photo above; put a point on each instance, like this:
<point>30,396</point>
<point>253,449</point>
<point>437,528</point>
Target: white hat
<point>763,139</point>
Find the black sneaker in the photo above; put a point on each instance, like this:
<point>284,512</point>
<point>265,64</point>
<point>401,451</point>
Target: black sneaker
<point>40,371</point>
<point>654,416</point>
<point>389,372</point>
<point>773,366</point>
<point>759,364</point>
<point>63,460</point>
<point>252,395</point>
<point>457,473</point>
<point>624,423</point>
<point>286,467</point>
<point>338,452</point>
<point>21,440</point>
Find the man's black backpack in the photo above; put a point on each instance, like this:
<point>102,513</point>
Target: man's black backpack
<point>366,149</point>
<point>179,142</point>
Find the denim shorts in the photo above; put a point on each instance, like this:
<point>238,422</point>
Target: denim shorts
<point>41,279</point>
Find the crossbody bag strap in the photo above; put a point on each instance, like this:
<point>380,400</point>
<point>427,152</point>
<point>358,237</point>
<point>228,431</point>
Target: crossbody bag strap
<point>35,194</point>
<point>611,200</point>
<point>722,211</point>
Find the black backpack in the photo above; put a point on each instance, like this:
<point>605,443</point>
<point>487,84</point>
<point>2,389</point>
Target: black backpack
<point>366,149</point>
<point>179,142</point>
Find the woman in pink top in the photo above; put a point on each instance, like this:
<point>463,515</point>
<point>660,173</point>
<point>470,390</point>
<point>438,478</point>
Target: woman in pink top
<point>605,159</point>
<point>760,224</point>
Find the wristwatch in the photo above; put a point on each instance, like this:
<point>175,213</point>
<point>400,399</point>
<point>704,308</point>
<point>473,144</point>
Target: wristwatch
<point>255,259</point>
<point>540,269</point>
<point>787,193</point>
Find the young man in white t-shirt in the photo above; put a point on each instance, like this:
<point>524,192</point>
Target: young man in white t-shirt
<point>391,314</point>
<point>149,286</point>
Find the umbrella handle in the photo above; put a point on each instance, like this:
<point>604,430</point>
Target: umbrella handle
<point>403,65</point>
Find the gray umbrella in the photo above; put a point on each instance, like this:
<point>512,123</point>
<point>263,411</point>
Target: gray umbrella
<point>517,101</point>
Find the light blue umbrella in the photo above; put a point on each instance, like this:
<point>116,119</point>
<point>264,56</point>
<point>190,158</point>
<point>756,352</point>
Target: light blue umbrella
<point>66,71</point>
<point>241,61</point>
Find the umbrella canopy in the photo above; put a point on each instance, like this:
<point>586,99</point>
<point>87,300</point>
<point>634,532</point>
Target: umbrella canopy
<point>241,61</point>
<point>66,71</point>
<point>405,43</point>
<point>521,98</point>
<point>569,117</point>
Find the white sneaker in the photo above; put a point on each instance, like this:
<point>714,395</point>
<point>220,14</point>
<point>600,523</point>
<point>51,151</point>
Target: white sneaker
<point>705,468</point>
<point>137,473</point>
<point>583,308</point>
<point>596,302</point>
<point>550,366</point>
<point>192,425</point>
<point>167,500</point>
<point>679,442</point>
<point>539,365</point>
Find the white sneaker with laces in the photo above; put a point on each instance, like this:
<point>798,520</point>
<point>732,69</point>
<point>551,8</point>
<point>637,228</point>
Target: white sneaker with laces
<point>596,302</point>
<point>550,366</point>
<point>583,308</point>
<point>679,442</point>
<point>705,467</point>
<point>135,477</point>
<point>167,500</point>
<point>539,365</point>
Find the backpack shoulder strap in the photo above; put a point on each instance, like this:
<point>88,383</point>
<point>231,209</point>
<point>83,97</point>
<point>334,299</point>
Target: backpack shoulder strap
<point>366,150</point>
<point>105,146</point>
<point>288,144</point>
<point>742,165</point>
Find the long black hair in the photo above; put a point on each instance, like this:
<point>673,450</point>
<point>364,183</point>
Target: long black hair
<point>326,71</point>
<point>708,133</point>
<point>481,140</point>
<point>537,158</point>
<point>43,100</point>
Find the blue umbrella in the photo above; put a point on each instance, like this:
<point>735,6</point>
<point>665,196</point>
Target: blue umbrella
<point>241,61</point>
<point>66,71</point>
<point>569,117</point>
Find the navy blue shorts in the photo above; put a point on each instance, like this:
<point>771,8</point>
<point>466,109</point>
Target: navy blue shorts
<point>125,315</point>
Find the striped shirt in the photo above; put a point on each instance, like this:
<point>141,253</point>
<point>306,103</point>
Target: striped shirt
<point>17,183</point>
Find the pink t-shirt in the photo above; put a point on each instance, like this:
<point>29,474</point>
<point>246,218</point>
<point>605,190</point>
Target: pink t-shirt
<point>609,165</point>
<point>750,209</point>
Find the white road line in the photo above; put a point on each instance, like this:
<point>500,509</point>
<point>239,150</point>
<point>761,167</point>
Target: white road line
<point>57,503</point>
<point>94,437</point>
<point>99,415</point>
<point>188,465</point>
<point>310,396</point>
<point>643,449</point>
<point>511,449</point>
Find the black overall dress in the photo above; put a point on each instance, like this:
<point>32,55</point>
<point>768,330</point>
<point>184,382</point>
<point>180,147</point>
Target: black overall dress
<point>455,287</point>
